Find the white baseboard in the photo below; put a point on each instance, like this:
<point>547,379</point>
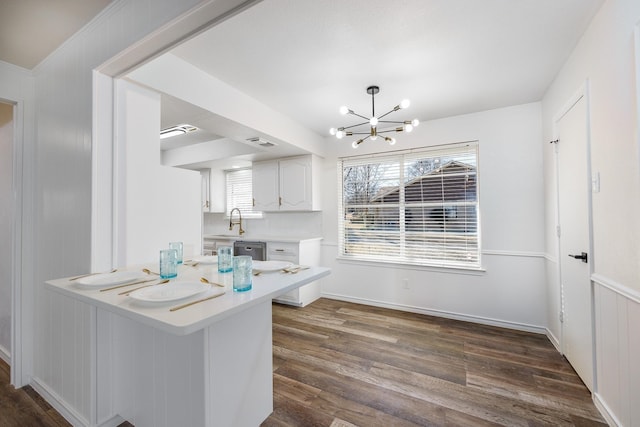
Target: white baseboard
<point>69,414</point>
<point>554,340</point>
<point>58,403</point>
<point>5,355</point>
<point>440,313</point>
<point>605,412</point>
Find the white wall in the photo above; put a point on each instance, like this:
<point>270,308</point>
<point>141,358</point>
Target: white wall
<point>605,56</point>
<point>160,204</point>
<point>63,370</point>
<point>511,291</point>
<point>211,94</point>
<point>6,226</point>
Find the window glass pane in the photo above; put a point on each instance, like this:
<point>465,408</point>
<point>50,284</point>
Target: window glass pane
<point>239,192</point>
<point>431,218</point>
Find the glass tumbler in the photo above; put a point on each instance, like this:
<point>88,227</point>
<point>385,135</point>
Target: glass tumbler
<point>225,259</point>
<point>178,247</point>
<point>168,263</point>
<point>242,273</point>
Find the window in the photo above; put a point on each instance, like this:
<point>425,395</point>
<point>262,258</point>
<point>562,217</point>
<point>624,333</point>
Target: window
<point>412,207</point>
<point>239,193</point>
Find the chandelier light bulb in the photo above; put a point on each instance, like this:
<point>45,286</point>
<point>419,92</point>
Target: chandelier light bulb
<point>374,120</point>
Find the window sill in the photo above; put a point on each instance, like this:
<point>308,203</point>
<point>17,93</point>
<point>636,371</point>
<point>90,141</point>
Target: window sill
<point>419,267</point>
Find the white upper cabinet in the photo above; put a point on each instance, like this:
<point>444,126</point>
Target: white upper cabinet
<point>286,184</point>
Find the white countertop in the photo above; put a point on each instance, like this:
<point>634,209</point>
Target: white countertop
<point>259,238</point>
<point>198,316</point>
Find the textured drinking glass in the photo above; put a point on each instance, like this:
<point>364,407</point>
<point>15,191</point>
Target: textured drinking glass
<point>178,247</point>
<point>168,263</point>
<point>225,259</point>
<point>242,273</point>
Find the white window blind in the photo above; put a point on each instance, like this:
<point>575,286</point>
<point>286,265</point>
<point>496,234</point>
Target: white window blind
<point>413,207</point>
<point>239,193</point>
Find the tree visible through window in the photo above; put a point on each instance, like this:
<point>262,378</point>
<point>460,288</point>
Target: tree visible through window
<point>414,207</point>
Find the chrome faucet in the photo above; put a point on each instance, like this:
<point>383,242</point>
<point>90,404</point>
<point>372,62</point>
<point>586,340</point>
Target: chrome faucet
<point>239,221</point>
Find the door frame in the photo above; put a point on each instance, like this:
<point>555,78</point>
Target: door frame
<point>15,357</point>
<point>581,93</point>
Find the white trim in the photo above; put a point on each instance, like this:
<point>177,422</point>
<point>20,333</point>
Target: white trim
<point>525,254</point>
<point>4,355</point>
<point>636,36</point>
<point>102,154</point>
<point>440,313</point>
<point>15,355</point>
<point>407,266</point>
<point>58,403</point>
<point>67,411</point>
<point>616,287</point>
<point>551,258</point>
<point>605,411</point>
<point>554,340</point>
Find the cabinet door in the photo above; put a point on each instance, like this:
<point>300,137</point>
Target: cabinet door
<point>295,184</point>
<point>205,188</point>
<point>265,186</point>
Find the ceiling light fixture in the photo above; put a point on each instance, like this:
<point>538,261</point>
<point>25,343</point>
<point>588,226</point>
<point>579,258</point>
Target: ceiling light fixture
<point>373,122</point>
<point>262,142</point>
<point>176,130</point>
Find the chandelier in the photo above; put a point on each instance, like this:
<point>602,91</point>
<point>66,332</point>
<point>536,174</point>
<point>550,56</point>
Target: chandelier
<point>373,122</point>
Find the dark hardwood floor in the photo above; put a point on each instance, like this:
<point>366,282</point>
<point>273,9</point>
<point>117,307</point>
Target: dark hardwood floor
<point>338,364</point>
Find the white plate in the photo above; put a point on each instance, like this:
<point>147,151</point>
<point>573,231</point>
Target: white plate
<point>109,279</point>
<point>172,291</point>
<point>266,266</point>
<point>206,259</point>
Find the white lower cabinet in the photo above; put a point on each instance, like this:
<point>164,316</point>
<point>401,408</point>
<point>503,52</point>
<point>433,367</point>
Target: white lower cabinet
<point>305,252</point>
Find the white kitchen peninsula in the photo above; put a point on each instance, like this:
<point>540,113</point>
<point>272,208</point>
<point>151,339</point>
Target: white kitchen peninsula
<point>295,250</point>
<point>209,364</point>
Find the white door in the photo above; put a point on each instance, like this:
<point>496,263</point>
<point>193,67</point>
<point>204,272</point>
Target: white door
<point>574,191</point>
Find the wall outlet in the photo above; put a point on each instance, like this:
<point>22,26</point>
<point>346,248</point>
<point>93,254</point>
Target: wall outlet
<point>405,283</point>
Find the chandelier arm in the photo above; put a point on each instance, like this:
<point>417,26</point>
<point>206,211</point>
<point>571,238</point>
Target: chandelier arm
<point>389,130</point>
<point>391,121</point>
<point>358,115</point>
<point>352,126</point>
<point>387,113</point>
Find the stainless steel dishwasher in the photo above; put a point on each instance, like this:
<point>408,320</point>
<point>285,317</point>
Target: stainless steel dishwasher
<point>257,250</point>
